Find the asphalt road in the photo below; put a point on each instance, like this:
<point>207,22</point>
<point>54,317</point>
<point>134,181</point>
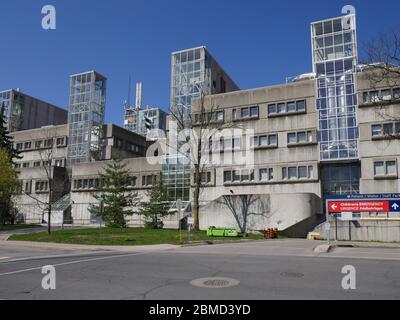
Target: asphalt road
<point>265,270</point>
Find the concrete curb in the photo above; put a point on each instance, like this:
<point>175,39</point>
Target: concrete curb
<point>83,247</point>
<point>323,248</point>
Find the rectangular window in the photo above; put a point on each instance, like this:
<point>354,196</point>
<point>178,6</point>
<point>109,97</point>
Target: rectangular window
<point>236,175</point>
<point>244,113</point>
<point>27,145</point>
<point>388,129</point>
<point>273,140</point>
<point>60,141</point>
<point>396,93</point>
<point>234,114</point>
<point>397,128</point>
<point>292,173</point>
<point>376,130</point>
<point>245,175</point>
<point>236,143</point>
<point>386,95</point>
<point>263,141</point>
<point>36,164</point>
<point>310,172</point>
<point>254,112</point>
<point>281,107</point>
<point>301,105</point>
<point>291,106</point>
<point>254,141</point>
<point>292,138</point>
<point>301,137</point>
<point>391,168</point>
<point>303,173</point>
<point>379,168</point>
<point>266,174</point>
<point>227,176</point>
<point>38,144</point>
<point>271,108</point>
<point>284,173</point>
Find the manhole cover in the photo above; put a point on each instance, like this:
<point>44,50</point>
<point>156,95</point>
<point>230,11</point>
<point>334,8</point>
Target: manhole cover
<point>214,283</point>
<point>292,274</point>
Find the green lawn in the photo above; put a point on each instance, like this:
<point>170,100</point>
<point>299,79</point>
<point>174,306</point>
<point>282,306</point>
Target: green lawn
<point>115,236</point>
<point>18,226</point>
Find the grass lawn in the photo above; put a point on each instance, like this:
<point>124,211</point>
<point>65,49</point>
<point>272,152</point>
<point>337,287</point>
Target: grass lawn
<point>115,236</point>
<point>18,226</point>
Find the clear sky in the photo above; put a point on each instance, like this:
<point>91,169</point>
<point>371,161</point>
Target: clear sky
<point>258,42</point>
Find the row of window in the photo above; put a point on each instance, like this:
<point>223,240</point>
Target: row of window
<point>300,137</point>
<point>95,183</point>
<point>267,174</point>
<point>39,144</point>
<point>385,129</point>
<point>245,113</point>
<point>40,186</point>
<point>36,164</point>
<point>119,143</point>
<point>224,144</point>
<point>264,141</point>
<point>212,117</point>
<point>381,95</point>
<point>385,168</point>
<point>287,107</point>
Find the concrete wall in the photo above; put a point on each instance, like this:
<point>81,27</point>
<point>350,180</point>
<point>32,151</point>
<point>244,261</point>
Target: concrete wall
<point>281,211</point>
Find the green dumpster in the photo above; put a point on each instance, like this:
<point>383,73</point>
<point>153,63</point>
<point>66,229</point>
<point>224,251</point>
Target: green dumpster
<point>221,232</point>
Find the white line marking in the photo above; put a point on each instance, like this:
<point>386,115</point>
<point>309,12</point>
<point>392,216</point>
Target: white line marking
<point>75,262</point>
<point>2,258</point>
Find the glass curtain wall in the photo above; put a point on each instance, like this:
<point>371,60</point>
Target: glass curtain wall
<point>334,62</point>
<point>86,116</point>
<point>5,103</point>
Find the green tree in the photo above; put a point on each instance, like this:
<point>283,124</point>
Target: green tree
<point>6,141</point>
<point>157,206</point>
<point>9,185</point>
<point>117,199</point>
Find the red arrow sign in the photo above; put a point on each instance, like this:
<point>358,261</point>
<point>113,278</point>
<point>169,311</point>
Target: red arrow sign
<point>358,206</point>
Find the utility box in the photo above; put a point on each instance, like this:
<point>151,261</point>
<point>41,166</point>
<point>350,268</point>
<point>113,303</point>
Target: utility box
<point>222,232</point>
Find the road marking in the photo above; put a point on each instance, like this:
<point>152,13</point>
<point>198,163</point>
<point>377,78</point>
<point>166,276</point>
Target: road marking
<point>77,261</point>
<point>2,258</point>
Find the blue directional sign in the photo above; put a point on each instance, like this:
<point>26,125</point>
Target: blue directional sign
<point>394,206</point>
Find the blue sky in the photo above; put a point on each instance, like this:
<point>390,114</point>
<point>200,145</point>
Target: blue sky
<point>257,42</point>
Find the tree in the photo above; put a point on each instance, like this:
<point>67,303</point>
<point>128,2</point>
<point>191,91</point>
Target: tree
<point>202,125</point>
<point>243,207</point>
<point>9,186</point>
<point>157,206</point>
<point>6,141</point>
<point>56,179</point>
<point>382,71</point>
<point>117,200</point>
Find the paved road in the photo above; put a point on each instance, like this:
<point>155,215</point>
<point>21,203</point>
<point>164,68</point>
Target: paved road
<point>286,269</point>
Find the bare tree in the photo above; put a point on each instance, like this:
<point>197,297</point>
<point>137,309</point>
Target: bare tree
<point>244,206</point>
<point>381,70</point>
<point>47,150</point>
<point>201,125</point>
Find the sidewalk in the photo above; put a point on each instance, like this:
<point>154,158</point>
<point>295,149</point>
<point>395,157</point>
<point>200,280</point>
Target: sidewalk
<point>82,247</point>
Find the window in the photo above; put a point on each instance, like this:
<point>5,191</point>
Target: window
<point>291,107</point>
<point>236,175</point>
<point>281,107</point>
<point>254,112</point>
<point>244,113</point>
<point>36,164</point>
<point>227,176</point>
<point>48,143</point>
<point>396,93</point>
<point>271,108</point>
<point>301,105</point>
<point>386,94</point>
<point>38,144</point>
<point>60,141</point>
<point>27,145</point>
<point>41,186</point>
<point>388,129</point>
<point>147,180</point>
<point>27,187</point>
<point>266,174</point>
<point>264,141</point>
<point>391,168</point>
<point>385,168</point>
<point>303,173</point>
<point>292,173</point>
<point>300,137</point>
<point>58,163</point>
<point>292,138</point>
<point>376,130</point>
<point>25,165</point>
<point>236,143</point>
<point>131,182</point>
<point>19,146</point>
